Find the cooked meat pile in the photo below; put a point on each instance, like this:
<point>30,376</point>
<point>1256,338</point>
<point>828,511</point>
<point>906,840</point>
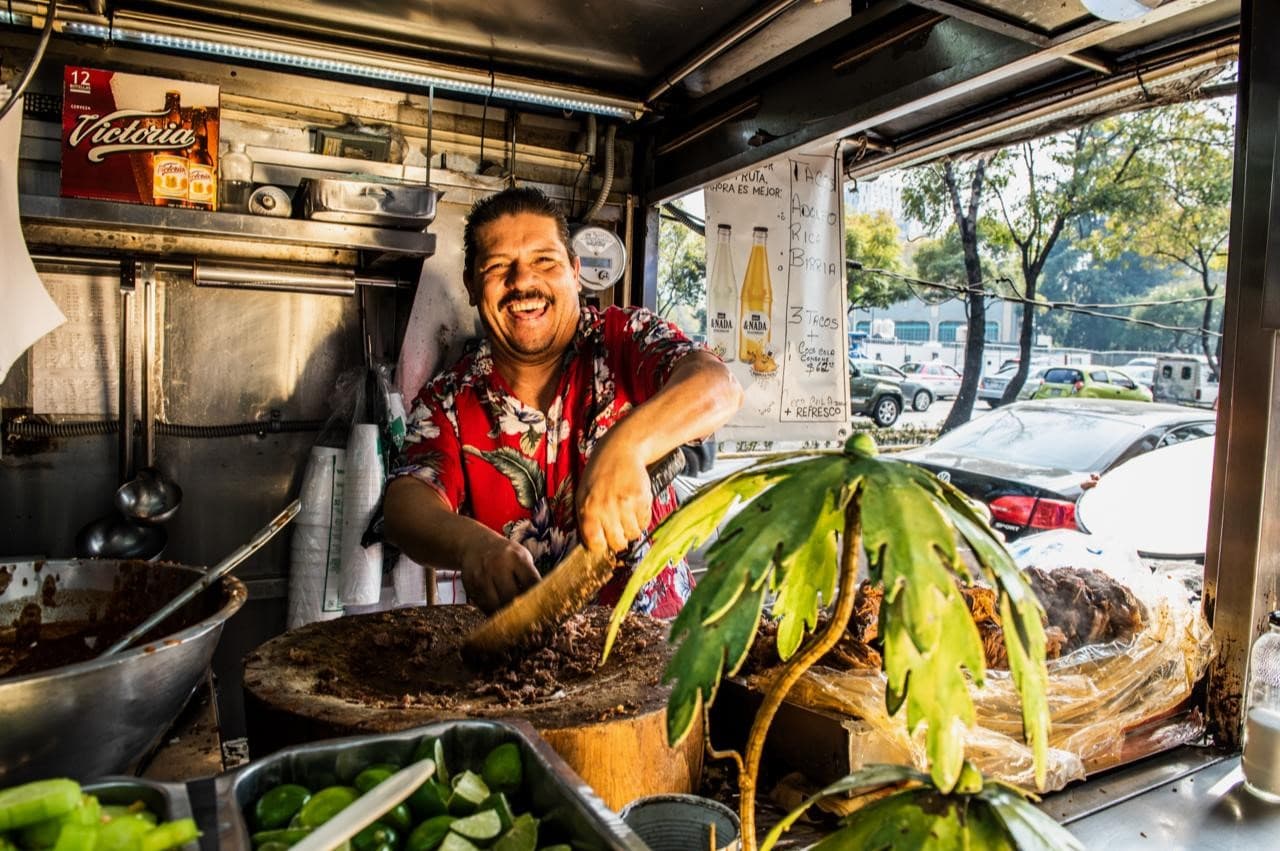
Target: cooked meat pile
<point>1088,606</point>
<point>1083,607</point>
<point>410,657</point>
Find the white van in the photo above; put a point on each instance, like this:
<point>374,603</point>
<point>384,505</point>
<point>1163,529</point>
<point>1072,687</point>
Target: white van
<point>1185,380</point>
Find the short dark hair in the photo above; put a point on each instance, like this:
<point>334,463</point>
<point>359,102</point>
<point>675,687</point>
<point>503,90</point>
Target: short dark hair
<point>511,202</point>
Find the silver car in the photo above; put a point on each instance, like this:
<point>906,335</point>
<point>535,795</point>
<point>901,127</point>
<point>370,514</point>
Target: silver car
<point>991,387</point>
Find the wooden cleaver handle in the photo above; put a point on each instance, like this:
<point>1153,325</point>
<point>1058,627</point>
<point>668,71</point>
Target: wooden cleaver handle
<point>568,587</point>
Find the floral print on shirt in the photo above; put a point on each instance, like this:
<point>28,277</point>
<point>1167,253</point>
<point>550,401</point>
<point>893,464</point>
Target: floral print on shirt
<point>514,468</point>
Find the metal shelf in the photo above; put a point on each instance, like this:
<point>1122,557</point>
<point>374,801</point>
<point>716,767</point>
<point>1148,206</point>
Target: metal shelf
<point>108,227</point>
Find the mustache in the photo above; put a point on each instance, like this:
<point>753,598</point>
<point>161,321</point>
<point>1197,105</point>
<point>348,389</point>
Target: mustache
<point>520,295</point>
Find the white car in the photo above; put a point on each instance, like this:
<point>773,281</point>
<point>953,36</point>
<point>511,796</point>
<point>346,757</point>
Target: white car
<point>943,380</point>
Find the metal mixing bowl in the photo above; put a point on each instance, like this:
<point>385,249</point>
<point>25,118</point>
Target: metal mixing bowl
<point>92,718</point>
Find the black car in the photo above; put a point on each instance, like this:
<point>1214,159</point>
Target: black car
<point>1028,461</point>
<point>875,396</point>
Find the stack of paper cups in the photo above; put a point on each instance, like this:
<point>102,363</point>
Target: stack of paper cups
<point>410,581</point>
<point>316,552</point>
<point>361,490</point>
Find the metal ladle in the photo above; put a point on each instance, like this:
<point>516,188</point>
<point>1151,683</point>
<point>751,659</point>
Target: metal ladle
<point>150,497</point>
<point>116,536</point>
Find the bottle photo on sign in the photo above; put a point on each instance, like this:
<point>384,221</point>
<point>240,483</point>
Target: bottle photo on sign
<point>722,298</point>
<point>757,308</point>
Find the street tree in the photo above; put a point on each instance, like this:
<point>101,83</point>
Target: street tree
<point>682,277</point>
<point>940,195</point>
<point>1042,186</point>
<point>1186,219</point>
<point>872,241</point>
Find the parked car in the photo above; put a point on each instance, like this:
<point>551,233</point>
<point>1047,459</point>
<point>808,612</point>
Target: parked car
<point>1145,360</point>
<point>1029,461</point>
<point>1090,382</point>
<point>991,387</point>
<point>1143,374</point>
<point>943,379</point>
<point>874,396</point>
<point>1185,380</point>
<point>914,393</point>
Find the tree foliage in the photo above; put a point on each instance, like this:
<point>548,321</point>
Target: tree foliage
<point>873,241</point>
<point>1185,216</point>
<point>682,277</point>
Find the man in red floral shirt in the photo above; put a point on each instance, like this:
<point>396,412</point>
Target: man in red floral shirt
<point>541,435</point>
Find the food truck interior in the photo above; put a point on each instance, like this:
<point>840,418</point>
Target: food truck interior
<point>613,108</point>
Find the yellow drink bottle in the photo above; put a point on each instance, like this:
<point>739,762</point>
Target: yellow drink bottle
<point>757,302</point>
<point>722,298</point>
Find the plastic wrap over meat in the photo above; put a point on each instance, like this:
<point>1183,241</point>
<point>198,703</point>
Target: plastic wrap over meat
<point>1129,648</point>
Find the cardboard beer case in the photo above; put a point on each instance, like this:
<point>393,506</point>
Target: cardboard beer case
<point>139,139</point>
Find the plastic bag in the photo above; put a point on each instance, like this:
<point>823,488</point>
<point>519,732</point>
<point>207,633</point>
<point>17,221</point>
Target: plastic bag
<point>1096,693</point>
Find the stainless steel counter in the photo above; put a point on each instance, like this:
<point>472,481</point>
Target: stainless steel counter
<point>1184,806</point>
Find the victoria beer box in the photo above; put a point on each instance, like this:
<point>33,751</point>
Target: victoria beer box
<point>139,139</point>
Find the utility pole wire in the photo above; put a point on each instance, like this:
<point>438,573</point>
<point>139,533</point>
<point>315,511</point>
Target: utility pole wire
<point>1086,310</point>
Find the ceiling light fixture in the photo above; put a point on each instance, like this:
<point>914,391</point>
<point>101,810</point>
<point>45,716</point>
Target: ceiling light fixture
<point>405,72</point>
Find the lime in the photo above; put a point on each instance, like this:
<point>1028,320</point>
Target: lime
<point>279,804</point>
<point>398,817</point>
<point>375,837</point>
<point>432,749</point>
<point>469,792</point>
<point>503,768</point>
<point>522,836</point>
<point>370,777</point>
<point>483,825</point>
<point>428,835</point>
<point>429,799</point>
<point>498,803</point>
<point>454,842</point>
<point>326,804</point>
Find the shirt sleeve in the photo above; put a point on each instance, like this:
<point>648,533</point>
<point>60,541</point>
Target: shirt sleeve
<point>648,348</point>
<point>432,452</point>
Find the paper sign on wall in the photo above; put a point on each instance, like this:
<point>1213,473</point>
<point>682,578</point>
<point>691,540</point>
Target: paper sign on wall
<point>776,301</point>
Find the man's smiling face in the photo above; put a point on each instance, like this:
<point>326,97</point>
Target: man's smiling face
<point>525,286</point>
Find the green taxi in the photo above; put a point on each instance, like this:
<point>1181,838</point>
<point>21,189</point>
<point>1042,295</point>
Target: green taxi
<point>1090,382</point>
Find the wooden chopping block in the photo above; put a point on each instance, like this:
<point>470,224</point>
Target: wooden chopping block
<point>394,670</point>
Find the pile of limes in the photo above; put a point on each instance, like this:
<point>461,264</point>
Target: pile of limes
<point>451,812</point>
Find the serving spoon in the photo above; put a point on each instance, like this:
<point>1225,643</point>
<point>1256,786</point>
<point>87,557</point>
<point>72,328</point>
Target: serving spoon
<point>211,576</point>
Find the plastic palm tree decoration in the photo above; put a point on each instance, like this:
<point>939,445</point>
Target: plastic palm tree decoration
<point>798,539</point>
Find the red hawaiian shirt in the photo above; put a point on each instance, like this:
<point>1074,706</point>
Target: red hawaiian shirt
<point>514,469</point>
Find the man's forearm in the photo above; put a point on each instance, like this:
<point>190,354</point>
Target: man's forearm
<point>424,528</point>
<point>700,396</point>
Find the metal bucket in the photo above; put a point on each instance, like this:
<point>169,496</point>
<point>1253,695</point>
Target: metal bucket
<point>90,718</point>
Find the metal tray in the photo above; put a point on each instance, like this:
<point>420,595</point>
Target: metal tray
<point>569,810</point>
<point>168,801</point>
<point>368,202</point>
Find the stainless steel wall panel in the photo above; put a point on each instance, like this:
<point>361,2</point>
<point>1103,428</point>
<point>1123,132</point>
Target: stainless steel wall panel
<point>235,355</point>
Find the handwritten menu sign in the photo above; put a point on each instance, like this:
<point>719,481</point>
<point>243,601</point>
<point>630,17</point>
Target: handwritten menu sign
<point>776,297</point>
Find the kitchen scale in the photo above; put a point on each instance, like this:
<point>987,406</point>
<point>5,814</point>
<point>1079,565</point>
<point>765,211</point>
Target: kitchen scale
<point>602,254</point>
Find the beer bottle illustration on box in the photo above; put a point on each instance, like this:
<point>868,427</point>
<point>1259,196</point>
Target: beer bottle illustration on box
<point>757,306</point>
<point>722,298</point>
<point>169,168</point>
<point>202,178</point>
